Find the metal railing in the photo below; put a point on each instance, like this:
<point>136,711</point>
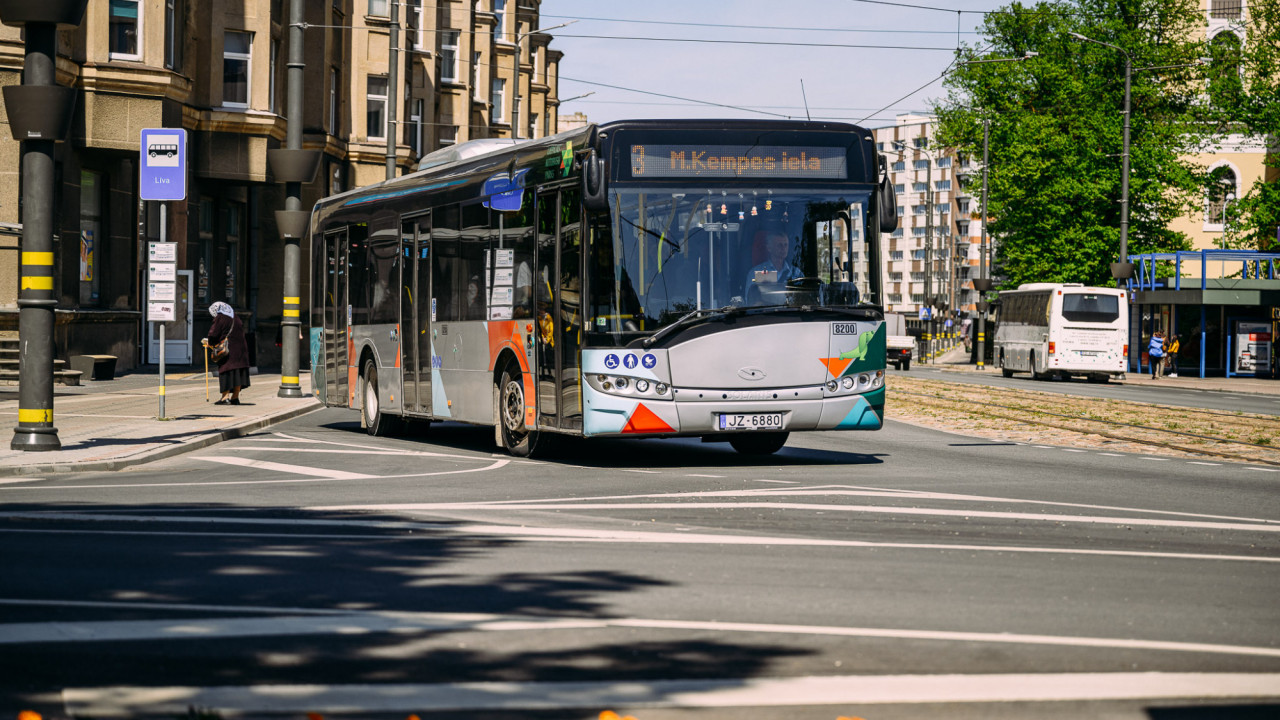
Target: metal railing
<point>1248,265</point>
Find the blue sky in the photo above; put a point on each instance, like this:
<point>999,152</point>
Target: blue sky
<point>910,44</point>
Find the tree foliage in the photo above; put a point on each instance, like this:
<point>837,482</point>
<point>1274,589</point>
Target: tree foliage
<point>1056,131</point>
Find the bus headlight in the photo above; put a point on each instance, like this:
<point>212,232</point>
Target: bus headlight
<point>621,383</point>
<point>833,386</point>
<point>661,388</point>
<point>847,382</point>
<point>864,379</point>
<point>642,385</point>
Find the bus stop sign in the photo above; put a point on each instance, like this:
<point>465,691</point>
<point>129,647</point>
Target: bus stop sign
<point>162,170</point>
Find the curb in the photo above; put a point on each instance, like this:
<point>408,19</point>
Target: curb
<point>159,453</point>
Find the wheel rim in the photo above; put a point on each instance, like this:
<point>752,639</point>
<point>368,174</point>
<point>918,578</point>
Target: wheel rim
<point>370,399</point>
<point>513,407</point>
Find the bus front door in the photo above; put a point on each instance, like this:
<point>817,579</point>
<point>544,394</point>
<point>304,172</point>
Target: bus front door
<point>558,309</point>
<point>335,318</point>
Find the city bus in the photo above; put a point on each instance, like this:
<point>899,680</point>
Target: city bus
<point>1063,330</point>
<point>630,279</point>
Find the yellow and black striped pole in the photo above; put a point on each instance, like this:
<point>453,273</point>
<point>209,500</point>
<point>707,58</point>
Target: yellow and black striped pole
<point>36,299</point>
<point>290,330</point>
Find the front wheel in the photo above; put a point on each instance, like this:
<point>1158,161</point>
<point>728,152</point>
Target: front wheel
<point>375,422</point>
<point>516,439</point>
<point>759,443</point>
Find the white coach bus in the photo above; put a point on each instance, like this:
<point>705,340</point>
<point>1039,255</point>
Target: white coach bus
<point>1064,330</point>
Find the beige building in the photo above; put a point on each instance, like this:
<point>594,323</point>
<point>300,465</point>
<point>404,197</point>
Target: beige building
<point>465,69</point>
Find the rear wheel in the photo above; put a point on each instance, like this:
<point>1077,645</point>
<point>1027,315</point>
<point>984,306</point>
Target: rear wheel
<point>1004,370</point>
<point>905,365</point>
<point>375,421</point>
<point>1035,374</point>
<point>759,443</point>
<point>516,439</point>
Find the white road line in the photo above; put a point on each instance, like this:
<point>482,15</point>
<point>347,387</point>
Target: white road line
<point>646,472</point>
<point>545,534</point>
<point>1075,450</point>
<point>356,623</point>
<point>295,469</point>
<point>871,509</point>
<point>1195,462</point>
<point>704,476</point>
<point>21,480</point>
<point>1153,457</point>
<point>1111,454</point>
<point>624,692</point>
<point>1258,469</point>
<point>779,482</point>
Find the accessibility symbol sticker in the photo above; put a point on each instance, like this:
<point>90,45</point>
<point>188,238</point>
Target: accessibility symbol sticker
<point>649,361</point>
<point>630,361</point>
<point>611,361</point>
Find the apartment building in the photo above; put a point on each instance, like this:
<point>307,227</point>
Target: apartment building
<point>935,205</point>
<point>465,69</point>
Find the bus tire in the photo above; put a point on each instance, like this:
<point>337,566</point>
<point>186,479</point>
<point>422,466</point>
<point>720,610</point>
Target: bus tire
<point>759,443</point>
<point>1004,370</point>
<point>904,365</point>
<point>375,422</point>
<point>1035,374</point>
<point>516,439</point>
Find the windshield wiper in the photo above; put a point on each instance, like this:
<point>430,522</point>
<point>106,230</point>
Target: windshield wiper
<point>686,319</point>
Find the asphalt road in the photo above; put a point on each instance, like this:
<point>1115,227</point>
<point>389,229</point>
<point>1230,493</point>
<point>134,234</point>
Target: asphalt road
<point>904,573</point>
<point>1169,394</point>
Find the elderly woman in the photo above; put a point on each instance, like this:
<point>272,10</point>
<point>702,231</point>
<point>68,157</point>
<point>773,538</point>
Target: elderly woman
<point>233,370</point>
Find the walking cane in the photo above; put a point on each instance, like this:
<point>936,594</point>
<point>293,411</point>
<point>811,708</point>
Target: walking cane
<point>205,351</point>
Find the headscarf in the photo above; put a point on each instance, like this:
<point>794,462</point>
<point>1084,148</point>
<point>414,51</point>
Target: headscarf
<point>221,308</point>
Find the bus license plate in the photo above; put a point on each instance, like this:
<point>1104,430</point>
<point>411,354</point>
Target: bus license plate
<point>751,421</point>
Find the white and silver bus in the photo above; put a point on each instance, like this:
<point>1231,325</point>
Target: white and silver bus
<point>1063,330</point>
<point>640,278</point>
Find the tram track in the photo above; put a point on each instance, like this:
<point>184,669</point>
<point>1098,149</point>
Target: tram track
<point>996,412</point>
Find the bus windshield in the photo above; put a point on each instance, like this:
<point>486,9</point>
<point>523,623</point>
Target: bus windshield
<point>1089,307</point>
<point>672,252</point>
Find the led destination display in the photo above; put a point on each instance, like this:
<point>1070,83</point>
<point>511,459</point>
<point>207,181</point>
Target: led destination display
<point>738,161</point>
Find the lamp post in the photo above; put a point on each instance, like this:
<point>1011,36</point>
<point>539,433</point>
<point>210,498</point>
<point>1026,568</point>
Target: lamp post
<point>515,76</point>
<point>1122,267</point>
<point>928,239</point>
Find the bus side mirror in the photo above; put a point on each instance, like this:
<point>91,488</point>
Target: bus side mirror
<point>594,195</point>
<point>887,208</point>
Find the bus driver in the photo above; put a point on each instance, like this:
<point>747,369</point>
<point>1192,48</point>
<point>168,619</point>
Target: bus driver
<point>776,269</point>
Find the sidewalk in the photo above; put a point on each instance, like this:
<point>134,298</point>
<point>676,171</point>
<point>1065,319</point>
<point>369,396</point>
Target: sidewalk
<point>957,360</point>
<point>111,424</point>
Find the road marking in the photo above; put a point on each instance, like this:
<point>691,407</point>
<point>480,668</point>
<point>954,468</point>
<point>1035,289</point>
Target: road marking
<point>1258,469</point>
<point>21,480</point>
<point>780,482</point>
<point>1111,454</point>
<point>704,476</point>
<point>1073,450</point>
<point>646,472</point>
<point>356,623</point>
<point>295,469</point>
<point>1153,457</point>
<point>1195,462</point>
<point>808,507</point>
<point>543,534</point>
<point>623,692</point>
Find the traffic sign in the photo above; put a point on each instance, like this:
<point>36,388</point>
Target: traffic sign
<point>162,170</point>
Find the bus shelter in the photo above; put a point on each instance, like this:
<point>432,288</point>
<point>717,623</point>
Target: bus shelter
<point>1223,305</point>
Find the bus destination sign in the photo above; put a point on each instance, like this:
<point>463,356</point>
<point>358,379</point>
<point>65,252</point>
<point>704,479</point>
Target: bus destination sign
<point>738,161</point>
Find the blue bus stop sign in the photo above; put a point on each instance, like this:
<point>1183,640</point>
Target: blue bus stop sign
<point>162,170</point>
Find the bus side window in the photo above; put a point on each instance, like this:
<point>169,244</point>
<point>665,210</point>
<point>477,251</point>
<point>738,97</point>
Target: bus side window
<point>383,276</point>
<point>358,273</point>
<point>444,255</point>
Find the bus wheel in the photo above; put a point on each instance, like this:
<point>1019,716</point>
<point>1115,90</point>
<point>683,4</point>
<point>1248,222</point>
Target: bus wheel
<point>758,443</point>
<point>1004,370</point>
<point>375,421</point>
<point>1035,374</point>
<point>516,439</point>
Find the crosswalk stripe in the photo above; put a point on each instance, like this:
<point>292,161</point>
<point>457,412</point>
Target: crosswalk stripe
<point>282,467</point>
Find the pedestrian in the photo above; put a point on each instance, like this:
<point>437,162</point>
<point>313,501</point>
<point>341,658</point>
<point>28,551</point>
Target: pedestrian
<point>1171,346</point>
<point>1155,353</point>
<point>233,370</point>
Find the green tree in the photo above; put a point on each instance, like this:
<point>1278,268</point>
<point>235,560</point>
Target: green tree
<point>1056,131</point>
<point>1250,71</point>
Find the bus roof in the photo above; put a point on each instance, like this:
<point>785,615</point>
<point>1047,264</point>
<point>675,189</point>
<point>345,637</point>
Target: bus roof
<point>1029,287</point>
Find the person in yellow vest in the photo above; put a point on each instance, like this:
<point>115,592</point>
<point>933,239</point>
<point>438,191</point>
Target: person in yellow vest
<point>1171,347</point>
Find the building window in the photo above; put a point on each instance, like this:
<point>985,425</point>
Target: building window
<point>476,92</point>
<point>378,8</point>
<point>917,209</point>
<point>1225,59</point>
<point>376,108</point>
<point>917,232</point>
<point>921,164</point>
<point>919,187</point>
<point>498,96</point>
<point>174,24</point>
<point>333,101</point>
<point>126,27</point>
<point>235,217</point>
<point>415,19</point>
<point>944,162</point>
<point>942,185</point>
<point>1225,9</point>
<point>917,298</point>
<point>900,188</point>
<point>899,166</point>
<point>533,124</point>
<point>1222,192</point>
<point>91,187</point>
<point>500,9</point>
<point>895,255</point>
<point>921,142</point>
<point>415,128</point>
<point>962,207</point>
<point>901,211</point>
<point>917,254</point>
<point>895,297</point>
<point>449,56</point>
<point>236,49</point>
<point>271,76</point>
<point>448,135</point>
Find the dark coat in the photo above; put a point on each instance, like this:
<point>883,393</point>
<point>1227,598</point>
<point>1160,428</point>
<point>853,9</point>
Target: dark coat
<point>239,347</point>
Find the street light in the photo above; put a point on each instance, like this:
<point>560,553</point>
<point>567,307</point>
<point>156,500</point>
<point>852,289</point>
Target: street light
<point>515,75</point>
<point>1122,269</point>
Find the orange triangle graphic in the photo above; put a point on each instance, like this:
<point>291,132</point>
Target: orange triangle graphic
<point>836,366</point>
<point>643,420</point>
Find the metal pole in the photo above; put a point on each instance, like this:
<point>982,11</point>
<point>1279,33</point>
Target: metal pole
<point>982,248</point>
<point>36,300</point>
<point>291,322</point>
<point>928,256</point>
<point>163,238</point>
<point>393,89</point>
<point>1124,171</point>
